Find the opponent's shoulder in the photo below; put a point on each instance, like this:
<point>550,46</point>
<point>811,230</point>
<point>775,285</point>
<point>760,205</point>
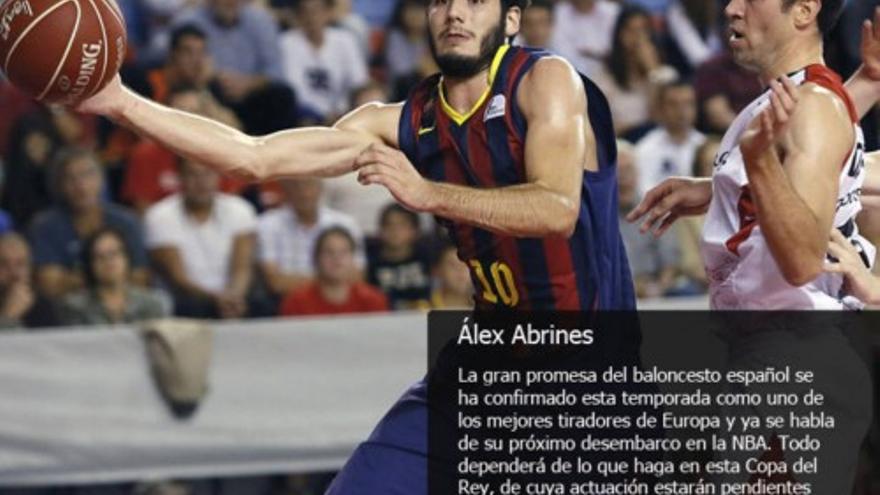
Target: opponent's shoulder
<point>823,114</point>
<point>551,79</point>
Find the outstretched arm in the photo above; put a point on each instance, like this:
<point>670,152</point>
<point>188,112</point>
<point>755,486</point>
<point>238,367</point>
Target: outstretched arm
<point>316,151</point>
<point>864,85</point>
<point>557,149</point>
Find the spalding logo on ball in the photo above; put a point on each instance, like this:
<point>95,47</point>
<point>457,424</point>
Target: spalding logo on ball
<point>61,51</point>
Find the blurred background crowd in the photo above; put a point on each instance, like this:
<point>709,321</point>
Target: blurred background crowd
<point>101,226</point>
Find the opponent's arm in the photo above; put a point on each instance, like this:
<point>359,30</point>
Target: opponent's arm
<point>795,195</point>
<point>864,85</point>
<point>553,101</point>
<point>317,151</point>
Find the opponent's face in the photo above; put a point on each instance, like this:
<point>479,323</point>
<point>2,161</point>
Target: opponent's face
<point>81,184</point>
<point>465,34</point>
<point>757,30</point>
<point>109,261</point>
<point>335,259</point>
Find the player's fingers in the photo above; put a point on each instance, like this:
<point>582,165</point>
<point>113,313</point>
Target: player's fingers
<point>837,237</point>
<point>767,124</point>
<point>867,33</point>
<point>657,212</point>
<point>779,113</point>
<point>789,94</point>
<point>666,224</point>
<point>833,268</point>
<point>651,197</point>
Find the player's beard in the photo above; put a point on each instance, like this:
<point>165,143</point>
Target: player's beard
<point>463,67</point>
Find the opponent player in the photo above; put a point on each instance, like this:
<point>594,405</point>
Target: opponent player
<point>511,148</point>
<point>765,236</point>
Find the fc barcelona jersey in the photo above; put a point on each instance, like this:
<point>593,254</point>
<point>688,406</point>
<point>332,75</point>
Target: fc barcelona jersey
<point>485,149</point>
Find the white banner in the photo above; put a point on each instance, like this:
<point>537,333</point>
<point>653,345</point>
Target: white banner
<point>80,406</point>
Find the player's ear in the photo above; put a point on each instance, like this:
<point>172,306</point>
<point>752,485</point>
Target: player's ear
<point>806,12</point>
<point>511,21</point>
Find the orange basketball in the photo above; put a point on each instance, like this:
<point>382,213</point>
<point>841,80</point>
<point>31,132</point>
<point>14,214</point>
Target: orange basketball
<point>61,51</point>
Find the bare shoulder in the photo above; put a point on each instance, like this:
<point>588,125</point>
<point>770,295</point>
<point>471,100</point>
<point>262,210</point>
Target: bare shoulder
<point>821,118</point>
<point>820,103</point>
<point>379,120</point>
<point>552,82</point>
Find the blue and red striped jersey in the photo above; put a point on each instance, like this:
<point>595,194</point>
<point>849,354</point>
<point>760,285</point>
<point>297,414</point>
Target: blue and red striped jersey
<point>486,149</point>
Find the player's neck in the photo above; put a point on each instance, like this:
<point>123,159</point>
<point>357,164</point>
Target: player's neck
<point>791,58</point>
<point>463,93</point>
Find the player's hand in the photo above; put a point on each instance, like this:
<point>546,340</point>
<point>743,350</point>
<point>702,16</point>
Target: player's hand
<point>858,281</point>
<point>380,164</point>
<point>107,102</point>
<point>772,123</point>
<point>673,198</point>
<point>871,47</point>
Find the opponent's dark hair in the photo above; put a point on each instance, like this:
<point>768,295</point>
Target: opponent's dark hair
<point>828,15</point>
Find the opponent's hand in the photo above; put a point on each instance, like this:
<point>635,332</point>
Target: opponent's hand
<point>673,198</point>
<point>871,47</point>
<point>858,281</point>
<point>380,164</point>
<point>107,102</point>
<point>772,123</point>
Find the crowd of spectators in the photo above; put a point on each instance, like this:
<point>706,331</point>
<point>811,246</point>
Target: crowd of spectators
<point>196,244</point>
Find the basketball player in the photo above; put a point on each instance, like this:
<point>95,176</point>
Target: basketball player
<point>789,168</point>
<point>525,219</point>
<point>769,214</point>
<point>511,148</point>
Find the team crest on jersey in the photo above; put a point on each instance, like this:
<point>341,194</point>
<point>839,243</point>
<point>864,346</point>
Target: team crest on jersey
<point>497,107</point>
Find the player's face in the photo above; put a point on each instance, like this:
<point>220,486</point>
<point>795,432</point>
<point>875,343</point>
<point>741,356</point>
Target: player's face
<point>465,34</point>
<point>757,28</point>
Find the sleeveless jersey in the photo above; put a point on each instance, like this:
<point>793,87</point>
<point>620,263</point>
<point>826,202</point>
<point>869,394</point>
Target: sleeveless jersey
<point>485,149</point>
<point>741,270</point>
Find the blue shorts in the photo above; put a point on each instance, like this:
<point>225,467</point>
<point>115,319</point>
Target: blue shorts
<point>394,459</point>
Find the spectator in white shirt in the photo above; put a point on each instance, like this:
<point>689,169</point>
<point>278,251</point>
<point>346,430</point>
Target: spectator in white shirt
<point>583,32</point>
<point>287,235</point>
<point>669,149</point>
<point>323,64</point>
<point>202,242</point>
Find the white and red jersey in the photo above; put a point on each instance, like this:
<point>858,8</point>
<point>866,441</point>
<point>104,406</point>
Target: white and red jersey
<point>742,272</point>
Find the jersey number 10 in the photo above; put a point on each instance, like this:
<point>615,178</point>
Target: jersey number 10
<point>501,288</point>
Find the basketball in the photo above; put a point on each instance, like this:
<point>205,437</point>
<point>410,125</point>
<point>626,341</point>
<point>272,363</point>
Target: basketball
<point>61,51</point>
